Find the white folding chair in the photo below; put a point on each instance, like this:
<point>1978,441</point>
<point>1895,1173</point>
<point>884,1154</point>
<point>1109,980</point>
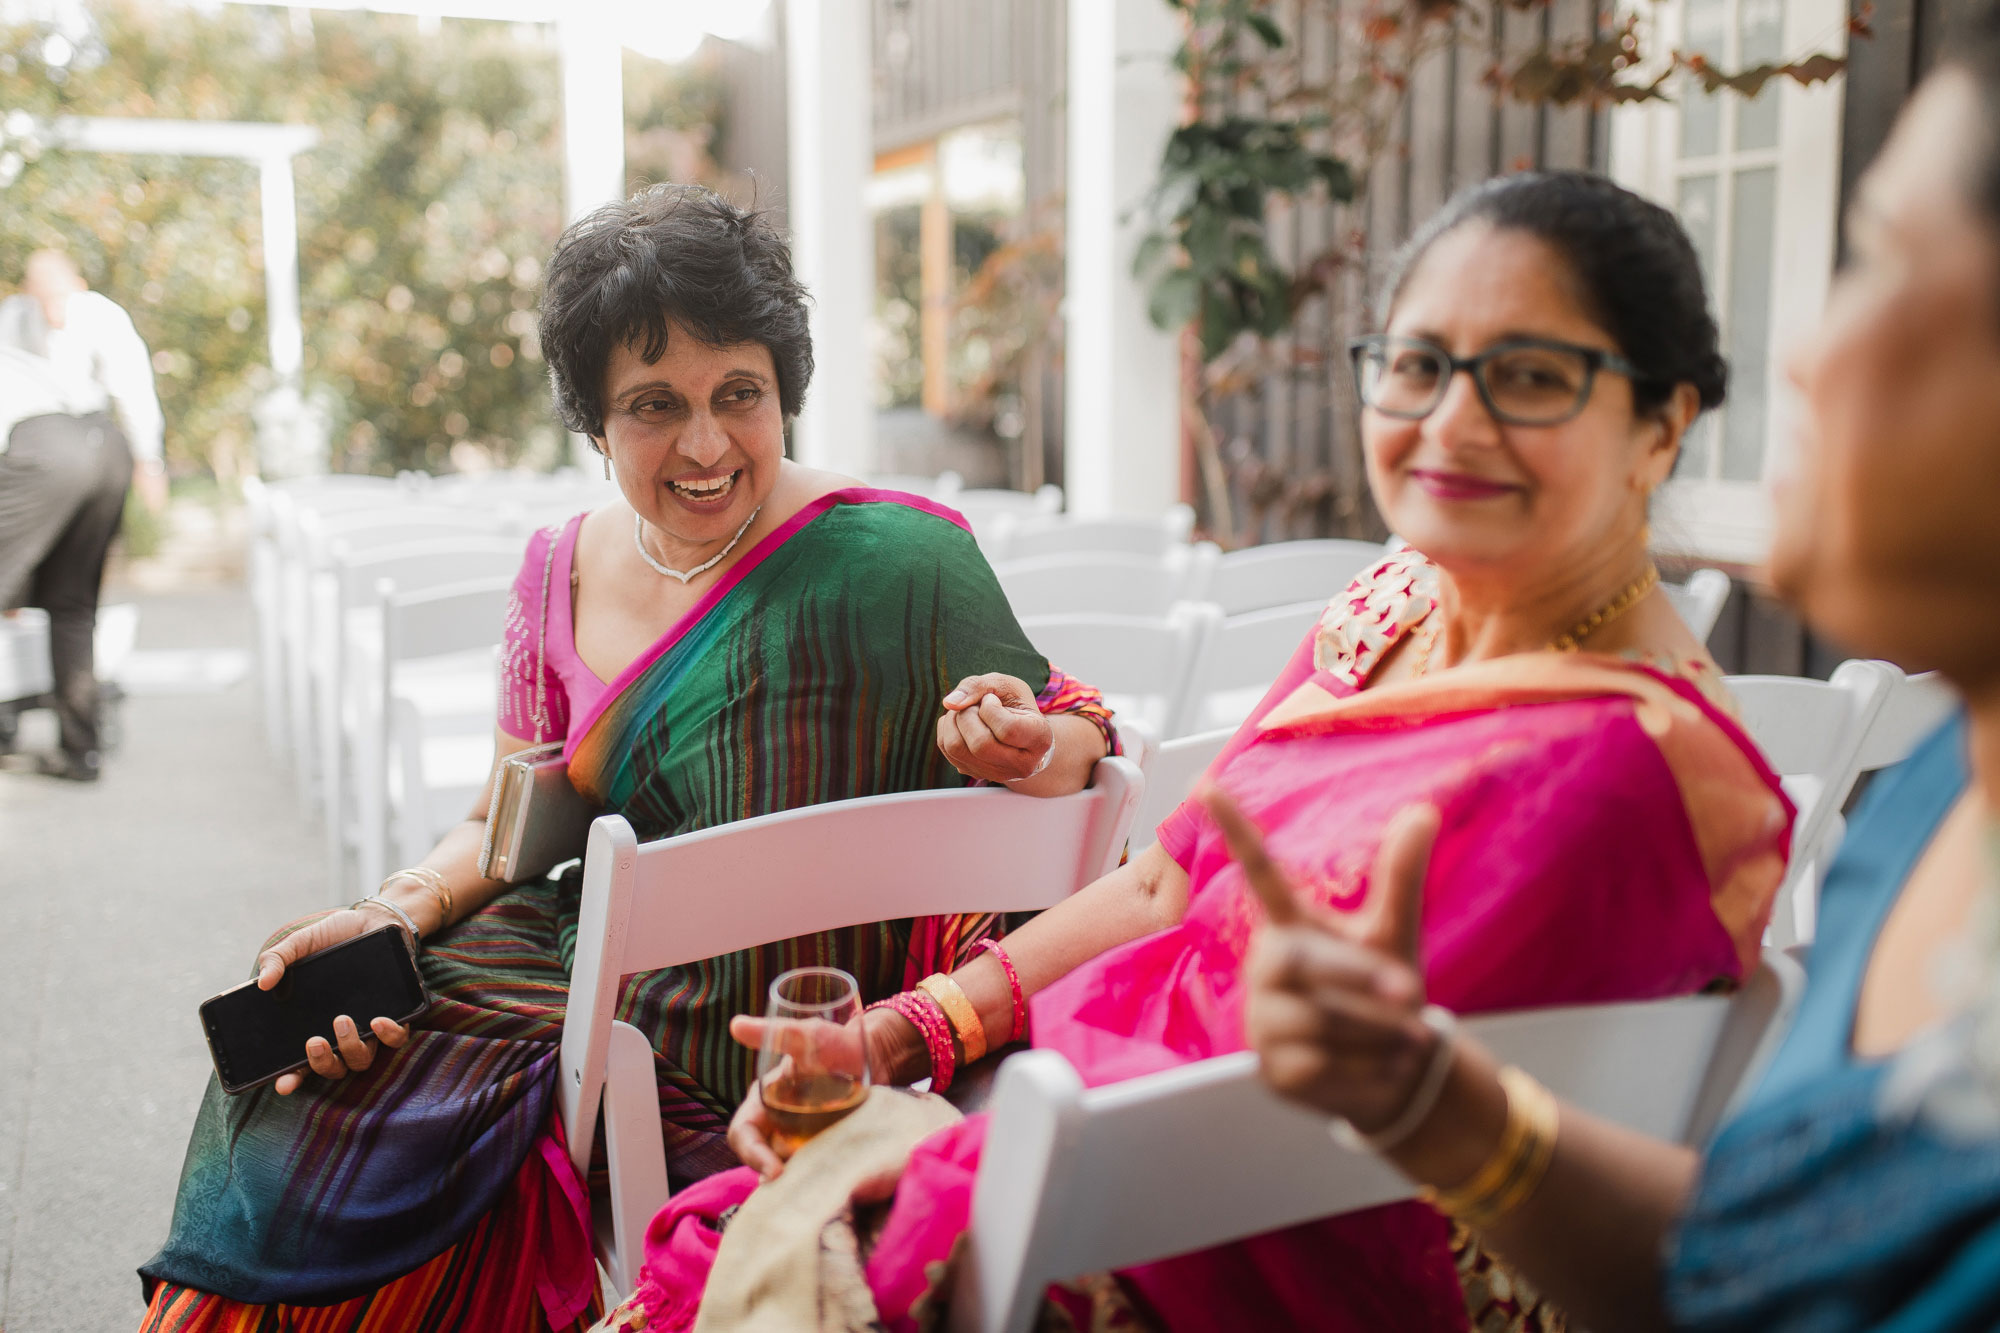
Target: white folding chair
<point>1081,1180</point>
<point>274,509</point>
<point>1915,706</point>
<point>1141,663</point>
<point>1281,573</point>
<point>1172,768</point>
<point>350,534</point>
<point>988,510</point>
<point>1086,582</point>
<point>347,707</point>
<point>1024,538</point>
<point>437,680</point>
<point>823,867</point>
<point>1241,658</point>
<point>1700,600</point>
<point>25,672</point>
<point>1811,733</point>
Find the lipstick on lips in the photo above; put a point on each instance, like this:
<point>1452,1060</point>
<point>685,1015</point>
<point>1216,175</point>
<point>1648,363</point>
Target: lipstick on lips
<point>1459,485</point>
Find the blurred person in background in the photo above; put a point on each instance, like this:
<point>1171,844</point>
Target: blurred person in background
<point>89,338</point>
<point>64,471</point>
<point>83,423</point>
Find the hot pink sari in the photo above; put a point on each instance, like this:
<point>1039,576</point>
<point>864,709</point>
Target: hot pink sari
<point>1608,834</point>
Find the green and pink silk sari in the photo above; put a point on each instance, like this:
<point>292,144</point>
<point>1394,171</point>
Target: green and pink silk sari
<point>1608,834</point>
<point>433,1191</point>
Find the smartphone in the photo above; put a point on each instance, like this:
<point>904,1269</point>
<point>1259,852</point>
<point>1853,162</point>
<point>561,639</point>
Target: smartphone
<point>255,1035</point>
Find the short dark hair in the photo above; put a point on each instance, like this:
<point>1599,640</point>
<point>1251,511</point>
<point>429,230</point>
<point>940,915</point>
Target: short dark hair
<point>672,253</point>
<point>1633,265</point>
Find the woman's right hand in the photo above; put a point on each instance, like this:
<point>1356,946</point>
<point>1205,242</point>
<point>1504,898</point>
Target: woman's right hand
<point>353,1052</point>
<point>896,1055</point>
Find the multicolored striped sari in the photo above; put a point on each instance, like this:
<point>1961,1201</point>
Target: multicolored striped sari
<point>427,1192</point>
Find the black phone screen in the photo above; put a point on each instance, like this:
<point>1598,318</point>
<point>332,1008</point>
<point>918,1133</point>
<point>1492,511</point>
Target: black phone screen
<point>255,1035</point>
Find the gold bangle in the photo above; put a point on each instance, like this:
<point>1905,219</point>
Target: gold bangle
<point>1517,1166</point>
<point>958,1008</point>
<point>430,879</point>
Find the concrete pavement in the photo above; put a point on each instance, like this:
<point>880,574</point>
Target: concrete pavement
<point>122,906</point>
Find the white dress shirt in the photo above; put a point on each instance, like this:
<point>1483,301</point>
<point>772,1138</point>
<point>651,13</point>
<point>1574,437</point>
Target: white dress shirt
<point>97,345</point>
<point>33,386</point>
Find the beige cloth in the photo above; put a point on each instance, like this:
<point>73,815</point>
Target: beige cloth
<point>769,1276</point>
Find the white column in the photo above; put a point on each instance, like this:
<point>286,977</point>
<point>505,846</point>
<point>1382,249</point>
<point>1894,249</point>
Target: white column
<point>593,77</point>
<point>831,154</point>
<point>281,267</point>
<point>1121,429</point>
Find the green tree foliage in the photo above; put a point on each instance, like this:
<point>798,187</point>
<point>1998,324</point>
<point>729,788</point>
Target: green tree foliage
<point>426,214</point>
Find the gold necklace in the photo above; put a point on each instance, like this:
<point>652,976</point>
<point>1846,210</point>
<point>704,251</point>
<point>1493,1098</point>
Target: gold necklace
<point>1610,611</point>
<point>1566,642</point>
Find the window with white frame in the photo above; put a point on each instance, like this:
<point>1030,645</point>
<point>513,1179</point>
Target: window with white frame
<point>1756,183</point>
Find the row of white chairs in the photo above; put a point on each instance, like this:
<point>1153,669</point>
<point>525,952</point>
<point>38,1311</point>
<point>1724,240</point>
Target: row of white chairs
<point>353,707</point>
<point>389,749</point>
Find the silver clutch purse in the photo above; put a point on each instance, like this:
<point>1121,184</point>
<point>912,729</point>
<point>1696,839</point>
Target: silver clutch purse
<point>537,820</point>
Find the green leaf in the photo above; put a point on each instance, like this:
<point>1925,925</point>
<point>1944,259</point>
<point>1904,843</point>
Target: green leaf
<point>1175,297</point>
<point>1262,25</point>
<point>1204,239</point>
<point>1147,257</point>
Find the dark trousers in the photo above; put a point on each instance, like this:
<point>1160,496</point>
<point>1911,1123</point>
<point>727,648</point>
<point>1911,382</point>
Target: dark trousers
<point>62,494</point>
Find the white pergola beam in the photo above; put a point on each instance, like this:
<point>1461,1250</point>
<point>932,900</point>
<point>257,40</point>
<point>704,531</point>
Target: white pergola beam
<point>272,148</point>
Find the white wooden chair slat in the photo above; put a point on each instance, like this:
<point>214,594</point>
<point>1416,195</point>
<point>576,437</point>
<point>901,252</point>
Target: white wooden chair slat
<point>1172,769</point>
<point>1281,573</point>
<point>1099,582</point>
<point>1700,600</point>
<point>1239,660</point>
<point>1146,660</point>
<point>1075,1180</point>
<point>1021,536</point>
<point>742,884</point>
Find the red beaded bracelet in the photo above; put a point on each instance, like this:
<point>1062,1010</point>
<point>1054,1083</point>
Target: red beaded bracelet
<point>992,946</point>
<point>929,1020</point>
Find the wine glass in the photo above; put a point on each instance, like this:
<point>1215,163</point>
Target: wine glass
<point>813,1066</point>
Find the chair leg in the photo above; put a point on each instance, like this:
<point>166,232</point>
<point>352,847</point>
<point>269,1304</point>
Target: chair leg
<point>634,1151</point>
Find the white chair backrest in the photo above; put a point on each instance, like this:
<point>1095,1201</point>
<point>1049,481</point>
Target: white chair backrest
<point>1242,657</point>
<point>429,562</point>
<point>1700,600</point>
<point>1286,572</point>
<point>1143,663</point>
<point>462,617</point>
<point>989,510</point>
<point>1916,706</point>
<point>793,873</point>
<point>1811,733</point>
<point>1086,582</point>
<point>1075,1180</point>
<point>1172,769</point>
<point>1024,538</point>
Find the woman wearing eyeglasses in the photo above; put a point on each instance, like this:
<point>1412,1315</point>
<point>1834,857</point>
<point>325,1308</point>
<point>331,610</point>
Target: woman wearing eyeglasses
<point>1607,833</point>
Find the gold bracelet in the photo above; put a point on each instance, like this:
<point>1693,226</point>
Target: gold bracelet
<point>958,1008</point>
<point>431,879</point>
<point>1517,1166</point>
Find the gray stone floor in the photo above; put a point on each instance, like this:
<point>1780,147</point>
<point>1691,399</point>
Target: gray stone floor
<point>122,906</point>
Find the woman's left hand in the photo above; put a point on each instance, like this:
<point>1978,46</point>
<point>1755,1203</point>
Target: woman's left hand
<point>993,729</point>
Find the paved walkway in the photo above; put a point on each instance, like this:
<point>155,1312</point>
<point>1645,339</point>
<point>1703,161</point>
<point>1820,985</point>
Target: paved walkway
<point>123,906</point>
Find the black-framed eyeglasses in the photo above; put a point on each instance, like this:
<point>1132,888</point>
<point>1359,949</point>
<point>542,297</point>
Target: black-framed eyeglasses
<point>1522,381</point>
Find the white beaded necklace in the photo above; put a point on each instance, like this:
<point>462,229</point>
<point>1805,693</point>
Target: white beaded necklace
<point>639,540</point>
